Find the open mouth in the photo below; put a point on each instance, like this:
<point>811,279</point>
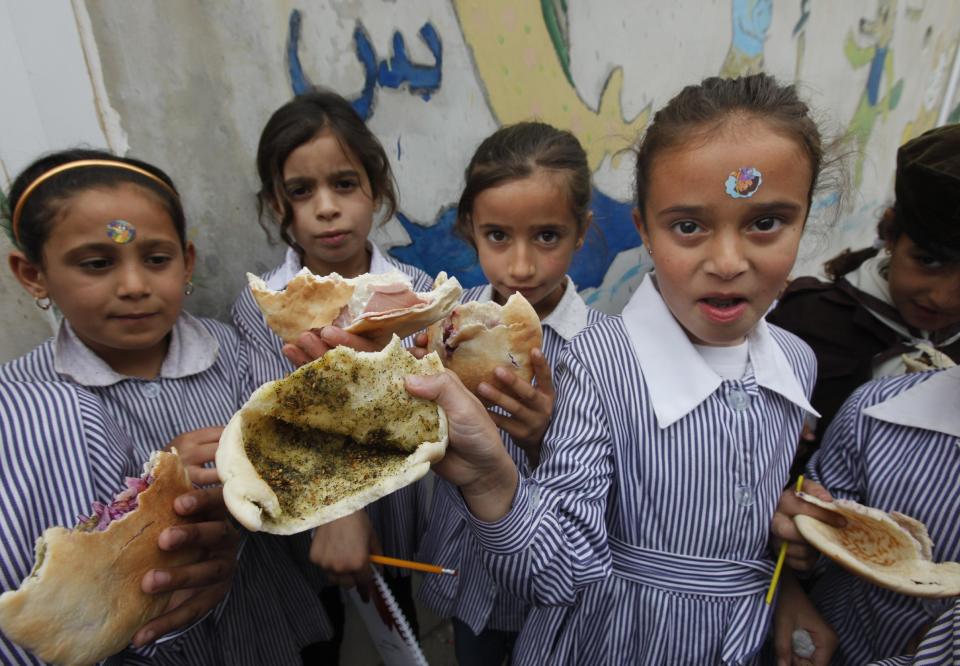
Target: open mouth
<point>723,309</point>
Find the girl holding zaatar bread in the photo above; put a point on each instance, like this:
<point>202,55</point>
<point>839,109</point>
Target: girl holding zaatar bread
<point>892,445</point>
<point>525,208</point>
<point>896,305</point>
<point>104,239</point>
<point>642,536</point>
<point>323,178</point>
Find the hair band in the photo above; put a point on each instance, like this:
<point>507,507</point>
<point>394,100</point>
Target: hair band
<point>47,175</point>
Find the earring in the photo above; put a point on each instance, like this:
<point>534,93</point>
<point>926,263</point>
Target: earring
<point>189,288</point>
<point>649,250</point>
<point>42,303</point>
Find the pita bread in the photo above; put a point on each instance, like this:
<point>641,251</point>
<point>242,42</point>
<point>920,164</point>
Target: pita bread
<point>888,549</point>
<point>333,436</point>
<point>477,337</point>
<point>82,601</point>
<point>310,302</point>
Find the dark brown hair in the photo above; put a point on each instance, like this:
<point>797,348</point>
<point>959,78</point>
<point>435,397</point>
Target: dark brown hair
<point>516,151</point>
<point>299,121</point>
<point>697,111</point>
<point>50,198</point>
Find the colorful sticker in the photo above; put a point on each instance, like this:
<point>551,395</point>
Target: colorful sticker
<point>744,182</point>
<point>121,231</point>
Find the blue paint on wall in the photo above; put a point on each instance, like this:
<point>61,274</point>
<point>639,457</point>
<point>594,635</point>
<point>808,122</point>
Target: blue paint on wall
<point>751,21</point>
<point>396,72</point>
<point>436,248</point>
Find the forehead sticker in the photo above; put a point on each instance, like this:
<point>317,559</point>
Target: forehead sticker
<point>121,231</point>
<point>743,182</point>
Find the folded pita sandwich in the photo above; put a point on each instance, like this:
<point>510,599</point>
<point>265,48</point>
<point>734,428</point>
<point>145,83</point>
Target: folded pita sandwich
<point>333,436</point>
<point>890,550</point>
<point>372,305</point>
<point>82,601</point>
<point>477,337</point>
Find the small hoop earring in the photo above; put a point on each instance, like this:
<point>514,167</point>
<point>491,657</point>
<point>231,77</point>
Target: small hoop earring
<point>42,303</point>
<point>189,288</point>
<point>649,250</point>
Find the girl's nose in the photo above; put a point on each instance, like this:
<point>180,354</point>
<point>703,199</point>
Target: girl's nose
<point>727,259</point>
<point>132,281</point>
<point>325,204</point>
<point>522,264</point>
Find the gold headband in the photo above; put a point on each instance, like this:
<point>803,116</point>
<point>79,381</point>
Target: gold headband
<point>47,175</point>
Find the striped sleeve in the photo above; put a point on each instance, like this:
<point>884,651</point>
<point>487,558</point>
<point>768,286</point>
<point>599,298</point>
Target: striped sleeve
<point>59,451</point>
<point>940,645</point>
<point>553,540</point>
<point>838,463</point>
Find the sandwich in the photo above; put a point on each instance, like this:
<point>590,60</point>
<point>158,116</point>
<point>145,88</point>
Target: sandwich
<point>372,305</point>
<point>477,337</point>
<point>82,600</point>
<point>333,436</point>
<point>890,550</point>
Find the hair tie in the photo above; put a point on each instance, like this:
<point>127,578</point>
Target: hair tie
<point>47,175</point>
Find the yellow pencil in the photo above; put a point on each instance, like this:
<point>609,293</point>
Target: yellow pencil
<point>781,557</point>
<point>407,564</point>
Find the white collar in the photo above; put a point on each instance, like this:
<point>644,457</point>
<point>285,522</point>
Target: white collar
<point>292,265</point>
<point>930,405</point>
<point>677,377</point>
<point>568,318</point>
<point>193,349</point>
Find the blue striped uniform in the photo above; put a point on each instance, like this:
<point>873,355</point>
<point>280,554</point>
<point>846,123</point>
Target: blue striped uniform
<point>473,596</point>
<point>398,518</point>
<point>630,539</point>
<point>891,467</point>
<point>272,609</point>
<point>59,452</point>
<point>940,645</point>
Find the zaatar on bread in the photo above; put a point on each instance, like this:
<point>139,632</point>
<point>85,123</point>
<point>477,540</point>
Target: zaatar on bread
<point>333,436</point>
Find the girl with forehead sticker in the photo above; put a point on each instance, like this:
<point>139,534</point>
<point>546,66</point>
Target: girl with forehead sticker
<point>893,442</point>
<point>525,208</point>
<point>103,239</point>
<point>642,536</point>
<point>894,306</point>
<point>324,177</point>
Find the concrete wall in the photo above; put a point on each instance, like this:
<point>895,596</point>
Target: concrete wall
<point>188,85</point>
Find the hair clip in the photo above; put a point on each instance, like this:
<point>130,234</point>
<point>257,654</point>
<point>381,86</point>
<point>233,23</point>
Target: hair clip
<point>743,183</point>
<point>121,232</point>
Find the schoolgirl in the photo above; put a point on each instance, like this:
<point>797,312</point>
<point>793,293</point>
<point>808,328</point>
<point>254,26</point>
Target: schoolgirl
<point>878,306</point>
<point>525,209</point>
<point>103,238</point>
<point>323,178</point>
<point>642,536</point>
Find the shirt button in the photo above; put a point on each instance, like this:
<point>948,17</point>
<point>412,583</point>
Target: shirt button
<point>738,400</point>
<point>743,495</point>
<point>150,389</point>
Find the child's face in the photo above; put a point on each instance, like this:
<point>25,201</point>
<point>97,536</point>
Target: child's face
<point>118,297</point>
<point>924,290</point>
<point>329,192</point>
<point>721,260</point>
<point>526,235</point>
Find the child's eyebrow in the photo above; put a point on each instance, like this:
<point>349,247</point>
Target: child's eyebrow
<point>103,248</point>
<point>344,173</point>
<point>757,207</point>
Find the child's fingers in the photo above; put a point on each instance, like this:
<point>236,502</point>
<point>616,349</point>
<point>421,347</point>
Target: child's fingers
<point>420,340</point>
<point>203,476</point>
<point>183,614</point>
<point>335,337</point>
<point>295,355</point>
<point>541,372</point>
<point>508,381</point>
<point>213,535</point>
<point>502,400</point>
<point>216,569</point>
<point>201,501</point>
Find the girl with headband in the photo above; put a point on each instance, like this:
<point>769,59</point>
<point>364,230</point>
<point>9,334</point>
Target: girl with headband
<point>103,239</point>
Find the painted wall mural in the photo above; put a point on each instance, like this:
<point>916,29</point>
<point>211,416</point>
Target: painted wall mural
<point>433,78</point>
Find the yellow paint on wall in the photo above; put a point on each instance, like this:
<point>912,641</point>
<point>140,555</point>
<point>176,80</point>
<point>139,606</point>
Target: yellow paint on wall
<point>524,79</point>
